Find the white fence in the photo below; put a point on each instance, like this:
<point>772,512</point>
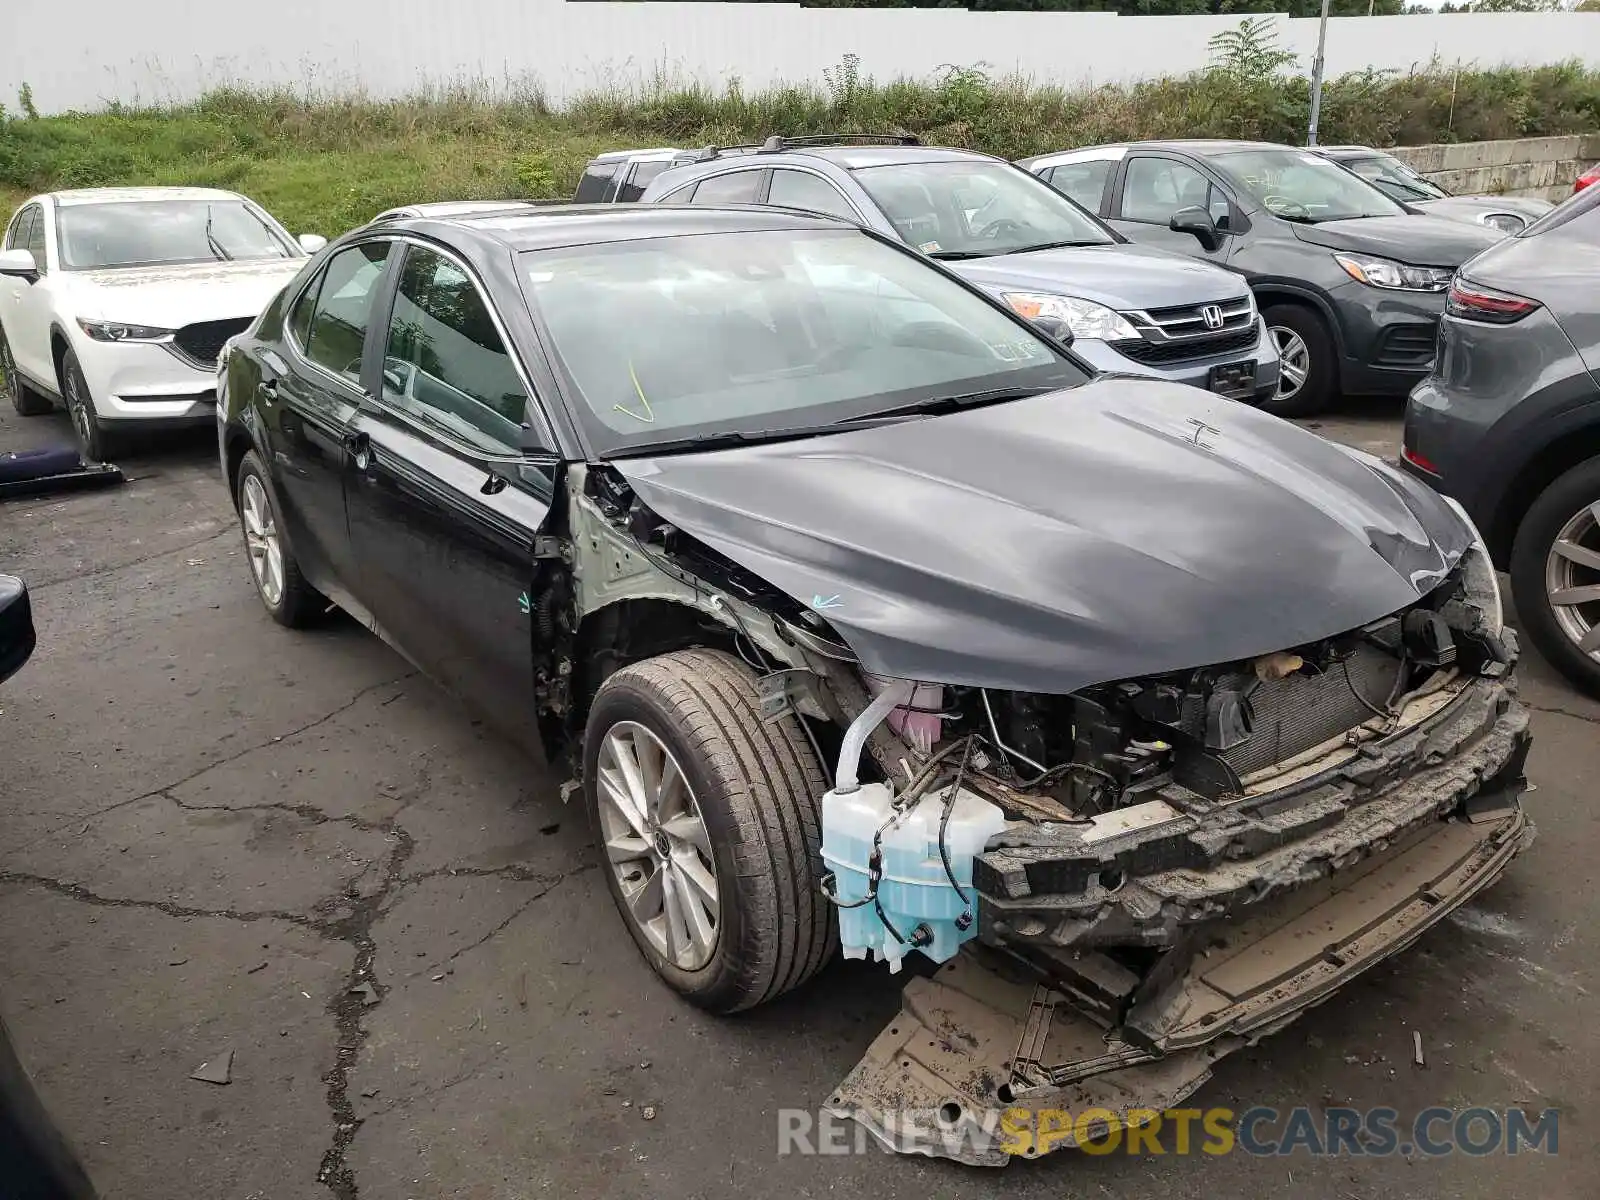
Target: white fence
<point>85,53</point>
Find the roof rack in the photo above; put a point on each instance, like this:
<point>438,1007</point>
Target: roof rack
<point>711,152</point>
<point>775,145</point>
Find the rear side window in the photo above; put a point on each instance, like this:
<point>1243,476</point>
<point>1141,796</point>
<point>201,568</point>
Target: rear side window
<point>642,176</point>
<point>801,189</point>
<point>20,228</point>
<point>595,185</point>
<point>36,239</point>
<point>736,187</point>
<point>1082,182</point>
<point>336,327</point>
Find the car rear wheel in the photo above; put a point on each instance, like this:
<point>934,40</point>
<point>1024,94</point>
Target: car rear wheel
<point>284,592</point>
<point>24,399</point>
<point>1306,380</point>
<point>1555,574</point>
<point>708,822</point>
<point>95,444</point>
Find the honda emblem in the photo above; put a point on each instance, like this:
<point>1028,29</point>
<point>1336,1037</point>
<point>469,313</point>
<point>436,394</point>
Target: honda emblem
<point>1211,314</point>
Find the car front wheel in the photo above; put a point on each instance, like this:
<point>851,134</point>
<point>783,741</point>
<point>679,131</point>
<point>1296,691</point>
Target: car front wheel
<point>707,819</point>
<point>1307,379</point>
<point>95,444</point>
<point>1555,574</point>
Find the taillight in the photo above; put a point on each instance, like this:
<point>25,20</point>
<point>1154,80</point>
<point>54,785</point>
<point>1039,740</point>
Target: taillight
<point>1591,176</point>
<point>1418,460</point>
<point>1474,302</point>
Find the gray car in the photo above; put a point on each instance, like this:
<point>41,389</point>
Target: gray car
<point>1399,181</point>
<point>1127,309</point>
<point>1509,423</point>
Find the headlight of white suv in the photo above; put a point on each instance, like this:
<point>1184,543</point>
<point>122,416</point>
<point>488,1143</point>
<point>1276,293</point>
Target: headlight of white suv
<point>1386,273</point>
<point>1082,318</point>
<point>117,331</point>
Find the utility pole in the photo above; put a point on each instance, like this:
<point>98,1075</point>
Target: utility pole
<point>1316,76</point>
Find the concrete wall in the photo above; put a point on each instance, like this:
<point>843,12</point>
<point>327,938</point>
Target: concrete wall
<point>1539,167</point>
<point>89,52</point>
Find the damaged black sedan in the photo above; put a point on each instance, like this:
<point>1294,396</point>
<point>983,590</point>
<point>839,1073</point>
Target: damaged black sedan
<point>865,615</point>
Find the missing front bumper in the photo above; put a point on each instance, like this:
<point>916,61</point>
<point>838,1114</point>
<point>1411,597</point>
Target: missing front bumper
<point>982,1057</point>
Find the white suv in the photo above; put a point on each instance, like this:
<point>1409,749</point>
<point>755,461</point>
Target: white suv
<point>116,302</point>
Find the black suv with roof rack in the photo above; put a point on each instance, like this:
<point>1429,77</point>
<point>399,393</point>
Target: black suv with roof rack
<point>1125,308</point>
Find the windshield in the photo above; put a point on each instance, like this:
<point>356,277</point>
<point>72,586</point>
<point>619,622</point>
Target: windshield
<point>768,331</point>
<point>1300,186</point>
<point>149,233</point>
<point>1394,177</point>
<point>973,208</point>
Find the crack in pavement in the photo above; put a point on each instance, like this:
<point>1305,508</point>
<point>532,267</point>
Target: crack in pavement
<point>1592,718</point>
<point>520,909</point>
<point>76,891</point>
<point>166,788</point>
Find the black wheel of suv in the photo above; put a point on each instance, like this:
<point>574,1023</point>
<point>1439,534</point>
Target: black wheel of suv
<point>284,592</point>
<point>708,821</point>
<point>95,444</point>
<point>1308,378</point>
<point>1555,574</point>
<point>23,398</point>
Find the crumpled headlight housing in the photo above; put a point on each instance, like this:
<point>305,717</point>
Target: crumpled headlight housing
<point>1479,582</point>
<point>118,331</point>
<point>1081,318</point>
<point>1395,276</point>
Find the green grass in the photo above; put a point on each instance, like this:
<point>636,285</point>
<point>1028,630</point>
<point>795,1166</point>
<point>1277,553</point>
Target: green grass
<point>323,164</point>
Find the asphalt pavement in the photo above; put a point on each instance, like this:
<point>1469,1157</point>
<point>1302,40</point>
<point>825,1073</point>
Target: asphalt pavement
<point>219,836</point>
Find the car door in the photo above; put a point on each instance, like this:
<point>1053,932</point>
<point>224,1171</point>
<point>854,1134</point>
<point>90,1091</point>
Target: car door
<point>1151,188</point>
<point>308,397</point>
<point>443,511</point>
<point>25,312</point>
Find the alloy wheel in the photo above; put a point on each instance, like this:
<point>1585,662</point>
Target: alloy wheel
<point>657,845</point>
<point>78,410</point>
<point>9,384</point>
<point>1294,360</point>
<point>1572,579</point>
<point>261,539</point>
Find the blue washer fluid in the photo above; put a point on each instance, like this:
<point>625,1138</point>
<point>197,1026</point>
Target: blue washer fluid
<point>914,891</point>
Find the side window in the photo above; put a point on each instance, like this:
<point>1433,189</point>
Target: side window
<point>736,187</point>
<point>641,177</point>
<point>1082,182</point>
<point>1155,188</point>
<point>801,189</point>
<point>35,241</point>
<point>17,239</point>
<point>445,363</point>
<point>339,308</point>
<point>596,182</point>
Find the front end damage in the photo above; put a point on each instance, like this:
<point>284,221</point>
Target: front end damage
<point>1184,861</point>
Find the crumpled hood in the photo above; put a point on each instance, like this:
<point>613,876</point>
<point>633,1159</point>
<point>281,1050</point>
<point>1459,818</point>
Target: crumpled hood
<point>172,297</point>
<point>1121,277</point>
<point>1418,239</point>
<point>1122,528</point>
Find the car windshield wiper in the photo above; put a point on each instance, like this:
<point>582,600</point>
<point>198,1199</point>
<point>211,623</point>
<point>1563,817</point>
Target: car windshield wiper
<point>211,239</point>
<point>1063,245</point>
<point>945,404</point>
<point>750,437</point>
<point>953,255</point>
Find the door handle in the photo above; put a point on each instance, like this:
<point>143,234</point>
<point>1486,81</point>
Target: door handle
<point>360,447</point>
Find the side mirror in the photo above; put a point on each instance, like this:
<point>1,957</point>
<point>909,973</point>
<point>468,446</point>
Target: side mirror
<point>312,242</point>
<point>16,624</point>
<point>19,264</point>
<point>1198,222</point>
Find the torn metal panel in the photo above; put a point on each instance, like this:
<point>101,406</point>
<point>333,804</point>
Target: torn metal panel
<point>987,1049</point>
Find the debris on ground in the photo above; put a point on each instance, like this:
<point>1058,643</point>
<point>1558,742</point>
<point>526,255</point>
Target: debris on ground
<point>368,1093</point>
<point>215,1070</point>
<point>368,993</point>
<point>257,967</point>
<point>176,962</point>
<point>1416,1048</point>
<point>648,1112</point>
<point>522,990</point>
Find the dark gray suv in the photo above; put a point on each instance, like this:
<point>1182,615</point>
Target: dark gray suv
<point>1509,423</point>
<point>1127,309</point>
<point>1350,282</point>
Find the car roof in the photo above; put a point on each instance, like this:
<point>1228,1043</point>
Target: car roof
<point>1345,151</point>
<point>132,195</point>
<point>584,224</point>
<point>852,157</point>
<point>450,208</point>
<point>650,154</point>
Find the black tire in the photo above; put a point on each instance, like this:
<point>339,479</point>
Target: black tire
<point>95,443</point>
<point>24,399</point>
<point>298,604</point>
<point>1569,495</point>
<point>758,787</point>
<point>1321,385</point>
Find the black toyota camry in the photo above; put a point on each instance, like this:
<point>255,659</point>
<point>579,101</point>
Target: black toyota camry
<point>728,509</point>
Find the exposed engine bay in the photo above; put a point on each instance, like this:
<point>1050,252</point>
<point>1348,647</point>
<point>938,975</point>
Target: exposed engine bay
<point>1088,849</point>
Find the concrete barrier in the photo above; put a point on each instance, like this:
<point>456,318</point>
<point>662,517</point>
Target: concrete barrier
<point>1540,167</point>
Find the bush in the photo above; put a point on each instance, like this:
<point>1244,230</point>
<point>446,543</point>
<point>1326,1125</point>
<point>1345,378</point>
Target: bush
<point>323,163</point>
